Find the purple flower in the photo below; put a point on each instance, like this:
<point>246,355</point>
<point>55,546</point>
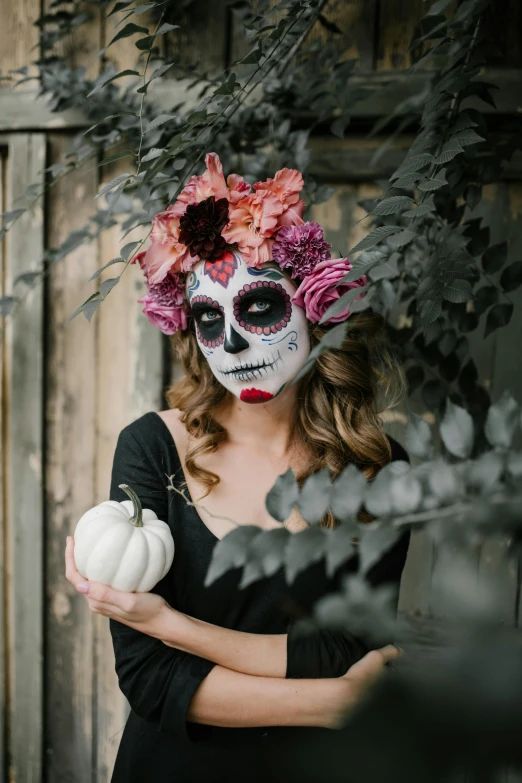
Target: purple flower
<point>300,248</point>
<point>319,290</point>
<point>165,304</point>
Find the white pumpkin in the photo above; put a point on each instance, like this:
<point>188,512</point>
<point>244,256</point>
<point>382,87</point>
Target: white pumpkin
<point>123,545</point>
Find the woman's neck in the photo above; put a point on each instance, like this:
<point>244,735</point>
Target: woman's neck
<point>267,425</point>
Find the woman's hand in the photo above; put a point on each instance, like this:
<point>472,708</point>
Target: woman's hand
<point>143,611</point>
<point>359,680</point>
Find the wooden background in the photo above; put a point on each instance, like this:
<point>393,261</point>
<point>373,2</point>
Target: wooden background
<point>68,389</point>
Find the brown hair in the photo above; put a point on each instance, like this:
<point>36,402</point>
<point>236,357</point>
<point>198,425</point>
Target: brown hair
<point>339,411</point>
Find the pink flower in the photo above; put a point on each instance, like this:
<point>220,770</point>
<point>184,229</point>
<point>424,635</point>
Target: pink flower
<point>286,185</point>
<point>165,254</point>
<point>300,248</point>
<point>165,304</point>
<point>252,222</point>
<point>318,290</point>
<point>210,183</point>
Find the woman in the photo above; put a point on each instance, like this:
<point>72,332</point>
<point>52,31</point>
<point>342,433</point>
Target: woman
<point>241,282</point>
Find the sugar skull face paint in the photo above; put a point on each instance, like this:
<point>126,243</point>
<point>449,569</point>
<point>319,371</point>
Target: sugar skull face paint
<point>254,339</point>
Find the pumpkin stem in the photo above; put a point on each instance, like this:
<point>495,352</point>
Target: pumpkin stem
<point>136,519</point>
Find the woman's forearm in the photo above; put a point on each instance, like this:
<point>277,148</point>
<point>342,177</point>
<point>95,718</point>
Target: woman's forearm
<point>231,699</point>
<point>263,655</point>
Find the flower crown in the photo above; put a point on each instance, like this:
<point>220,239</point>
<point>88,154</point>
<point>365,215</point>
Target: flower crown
<point>263,222</point>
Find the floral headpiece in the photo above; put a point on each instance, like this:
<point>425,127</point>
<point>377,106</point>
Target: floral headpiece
<point>264,222</point>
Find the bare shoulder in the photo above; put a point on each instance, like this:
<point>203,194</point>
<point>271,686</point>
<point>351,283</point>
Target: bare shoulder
<point>172,418</point>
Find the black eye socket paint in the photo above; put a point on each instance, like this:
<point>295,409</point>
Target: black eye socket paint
<point>211,332</point>
<point>274,318</point>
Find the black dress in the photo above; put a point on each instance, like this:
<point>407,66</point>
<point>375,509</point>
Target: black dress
<point>158,744</point>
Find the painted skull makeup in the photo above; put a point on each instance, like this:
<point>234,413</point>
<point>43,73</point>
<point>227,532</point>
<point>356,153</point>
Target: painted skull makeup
<point>254,338</point>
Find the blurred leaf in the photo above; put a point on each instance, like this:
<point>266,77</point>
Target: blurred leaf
<point>347,493</point>
<point>119,180</point>
<point>511,276</point>
<point>443,481</point>
<point>109,263</point>
<point>494,258</point>
<point>457,291</point>
<point>502,421</point>
<point>283,496</point>
<point>375,542</point>
<point>230,552</point>
<point>340,546</point>
<point>499,315</point>
<point>99,87</point>
<point>6,305</point>
<point>314,497</point>
<point>303,549</point>
<point>456,430</point>
<point>485,471</point>
<point>126,31</point>
<point>417,437</point>
<point>265,555</point>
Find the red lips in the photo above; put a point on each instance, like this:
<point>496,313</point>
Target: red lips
<point>255,395</point>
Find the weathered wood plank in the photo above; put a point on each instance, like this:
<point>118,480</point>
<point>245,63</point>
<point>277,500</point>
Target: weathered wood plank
<point>397,21</point>
<point>23,500</point>
<point>18,37</point>
<point>70,435</point>
<point>356,21</point>
<point>22,110</point>
<point>81,46</point>
<point>203,35</point>
<point>129,369</point>
<point>3,521</point>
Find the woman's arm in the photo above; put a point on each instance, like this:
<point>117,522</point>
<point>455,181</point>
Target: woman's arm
<point>261,655</point>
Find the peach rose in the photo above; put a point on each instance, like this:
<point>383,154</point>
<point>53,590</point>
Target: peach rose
<point>211,183</point>
<point>251,226</point>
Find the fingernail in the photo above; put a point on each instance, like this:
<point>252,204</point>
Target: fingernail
<point>82,587</point>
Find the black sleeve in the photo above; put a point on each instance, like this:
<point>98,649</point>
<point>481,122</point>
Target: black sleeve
<point>158,681</point>
<point>330,653</point>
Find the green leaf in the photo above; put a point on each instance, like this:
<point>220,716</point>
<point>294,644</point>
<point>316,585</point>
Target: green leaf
<point>120,6</point>
<point>314,496</point>
<point>511,277</point>
<point>159,120</point>
<point>456,430</point>
<point>502,421</point>
<point>9,217</point>
<point>283,496</point>
<point>422,210</point>
<point>449,151</point>
<point>443,481</point>
<point>110,117</point>
<point>438,7</point>
<point>141,9</point>
<point>430,311</point>
<point>93,298</point>
<point>99,87</point>
<point>303,549</point>
<point>407,182</point>
<point>375,542</point>
<point>499,315</point>
<point>484,298</point>
<point>167,28</point>
<point>144,44</point>
<point>389,206</point>
<point>427,185</point>
<point>119,180</point>
<point>339,125</point>
<point>402,239</point>
<point>265,555</point>
<point>116,156</point>
<point>6,305</point>
<point>161,70</point>
<point>494,258</point>
<point>457,291</point>
<point>347,493</point>
<point>375,236</point>
<point>340,304</point>
<point>109,263</point>
<point>230,552</point>
<point>28,278</point>
<point>340,546</point>
<point>152,154</point>
<point>108,285</point>
<point>252,57</point>
<point>128,250</point>
<point>472,195</point>
<point>467,137</point>
<point>417,437</point>
<point>126,31</point>
<point>333,338</point>
<point>413,164</point>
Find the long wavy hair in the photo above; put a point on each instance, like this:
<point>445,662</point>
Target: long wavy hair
<point>341,400</point>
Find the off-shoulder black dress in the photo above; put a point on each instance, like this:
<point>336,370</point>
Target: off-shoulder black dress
<point>158,744</point>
